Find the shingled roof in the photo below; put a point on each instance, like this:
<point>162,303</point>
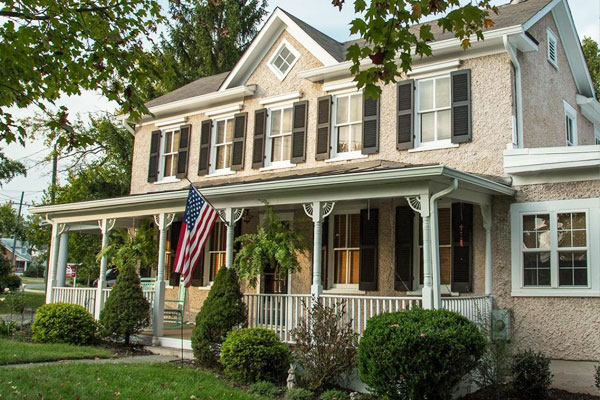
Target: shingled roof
<point>208,84</point>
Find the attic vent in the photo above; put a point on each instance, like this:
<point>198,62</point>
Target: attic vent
<point>283,59</point>
<point>552,48</point>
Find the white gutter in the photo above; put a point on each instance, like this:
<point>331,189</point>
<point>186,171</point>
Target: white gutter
<point>518,127</point>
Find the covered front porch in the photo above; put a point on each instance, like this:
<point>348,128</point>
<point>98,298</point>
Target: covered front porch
<point>385,237</point>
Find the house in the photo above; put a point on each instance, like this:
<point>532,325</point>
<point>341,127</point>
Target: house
<point>22,254</point>
<point>472,183</point>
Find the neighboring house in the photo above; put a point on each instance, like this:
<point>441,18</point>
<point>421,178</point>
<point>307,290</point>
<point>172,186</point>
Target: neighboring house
<point>22,253</point>
<point>474,178</point>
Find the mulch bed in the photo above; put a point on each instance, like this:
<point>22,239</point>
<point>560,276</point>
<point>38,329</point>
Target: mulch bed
<point>555,394</point>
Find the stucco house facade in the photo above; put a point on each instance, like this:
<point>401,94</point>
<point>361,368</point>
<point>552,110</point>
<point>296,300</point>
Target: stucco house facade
<point>472,184</point>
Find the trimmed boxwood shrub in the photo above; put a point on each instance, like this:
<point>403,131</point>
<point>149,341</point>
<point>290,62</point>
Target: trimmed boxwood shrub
<point>222,310</point>
<point>418,354</point>
<point>13,283</point>
<point>531,375</point>
<point>63,323</point>
<point>254,354</point>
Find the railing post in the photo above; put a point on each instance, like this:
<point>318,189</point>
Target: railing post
<point>106,225</point>
<point>163,221</point>
<point>57,229</point>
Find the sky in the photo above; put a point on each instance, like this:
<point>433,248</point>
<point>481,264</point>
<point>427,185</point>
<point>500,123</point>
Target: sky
<point>318,13</point>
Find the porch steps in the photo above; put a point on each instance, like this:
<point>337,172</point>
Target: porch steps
<point>170,352</point>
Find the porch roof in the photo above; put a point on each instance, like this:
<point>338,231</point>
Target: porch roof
<point>353,181</point>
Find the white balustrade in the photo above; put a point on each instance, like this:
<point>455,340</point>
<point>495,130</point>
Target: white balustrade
<point>476,308</point>
<point>85,297</point>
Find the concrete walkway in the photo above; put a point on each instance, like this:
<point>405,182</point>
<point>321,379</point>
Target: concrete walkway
<point>123,360</point>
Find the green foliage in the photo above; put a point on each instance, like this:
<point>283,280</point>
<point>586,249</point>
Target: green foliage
<point>222,310</point>
<point>35,269</point>
<point>334,394</point>
<point>126,311</point>
<point>15,302</point>
<point>136,250</point>
<point>5,270</point>
<point>531,375</point>
<point>299,394</point>
<point>13,282</point>
<point>7,328</point>
<point>592,59</point>
<point>63,323</point>
<point>254,354</point>
<point>275,243</point>
<point>418,354</point>
<point>265,389</point>
<point>9,223</point>
<point>325,345</point>
<point>389,34</point>
<point>19,352</point>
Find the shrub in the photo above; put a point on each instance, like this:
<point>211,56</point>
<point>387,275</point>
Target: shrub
<point>36,269</point>
<point>254,354</point>
<point>15,302</point>
<point>299,394</point>
<point>418,354</point>
<point>222,310</point>
<point>531,375</point>
<point>325,347</point>
<point>265,389</point>
<point>7,328</point>
<point>63,323</point>
<point>334,394</point>
<point>13,283</point>
<point>126,310</point>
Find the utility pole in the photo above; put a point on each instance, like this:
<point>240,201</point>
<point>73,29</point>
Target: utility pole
<point>14,256</point>
<point>54,171</point>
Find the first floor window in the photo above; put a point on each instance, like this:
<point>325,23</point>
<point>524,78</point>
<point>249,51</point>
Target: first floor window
<point>433,109</point>
<point>348,122</point>
<point>281,134</point>
<point>217,248</point>
<point>346,249</point>
<point>223,143</point>
<point>170,148</point>
<point>445,246</point>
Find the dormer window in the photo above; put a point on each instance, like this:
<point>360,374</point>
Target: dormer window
<point>552,51</point>
<point>283,60</point>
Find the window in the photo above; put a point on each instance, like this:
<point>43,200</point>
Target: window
<point>348,122</point>
<point>280,135</point>
<point>570,125</point>
<point>433,111</point>
<point>596,135</point>
<point>346,250</point>
<point>283,60</point>
<point>552,51</point>
<point>217,248</point>
<point>445,248</point>
<point>223,144</point>
<point>170,148</point>
<point>552,255</point>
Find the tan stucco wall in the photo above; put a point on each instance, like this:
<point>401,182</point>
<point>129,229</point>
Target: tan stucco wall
<point>544,89</point>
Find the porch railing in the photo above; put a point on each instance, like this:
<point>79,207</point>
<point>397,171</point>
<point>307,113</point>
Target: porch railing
<point>85,297</point>
<point>476,308</point>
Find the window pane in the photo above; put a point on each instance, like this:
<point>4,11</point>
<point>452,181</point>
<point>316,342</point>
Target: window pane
<point>339,235</point>
<point>340,266</point>
<point>276,153</point>
<point>229,131</point>
<point>536,231</point>
<point>444,224</point>
<point>442,92</point>
<point>356,108</point>
<point>221,157</point>
<point>579,238</point>
<point>229,149</point>
<point>287,120</point>
<point>354,230</point>
<point>287,148</point>
<point>572,268</point>
<point>284,52</point>
<point>276,122</point>
<point>536,269</point>
<point>564,221</point>
<point>220,132</point>
<point>168,164</point>
<point>427,127</point>
<point>578,220</point>
<point>343,139</point>
<point>278,61</point>
<point>341,116</point>
<point>446,265</point>
<point>426,95</point>
<point>168,139</point>
<point>356,139</point>
<point>443,127</point>
<point>354,266</point>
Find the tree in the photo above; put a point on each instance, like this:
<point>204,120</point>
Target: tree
<point>205,37</point>
<point>52,48</point>
<point>592,58</point>
<point>9,223</point>
<point>5,270</point>
<point>126,311</point>
<point>390,36</point>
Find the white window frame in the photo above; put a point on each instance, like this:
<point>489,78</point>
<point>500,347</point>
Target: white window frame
<point>269,164</point>
<point>161,156</point>
<point>284,43</point>
<point>596,135</point>
<point>213,146</point>
<point>346,155</point>
<point>571,113</point>
<point>331,286</point>
<point>592,209</point>
<point>437,143</point>
<point>551,38</point>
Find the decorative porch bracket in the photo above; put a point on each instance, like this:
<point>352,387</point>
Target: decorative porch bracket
<point>106,225</point>
<point>318,211</point>
<point>163,222</point>
<point>230,216</point>
<point>57,231</point>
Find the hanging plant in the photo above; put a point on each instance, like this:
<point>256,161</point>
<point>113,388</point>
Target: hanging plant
<point>274,244</point>
<point>140,249</point>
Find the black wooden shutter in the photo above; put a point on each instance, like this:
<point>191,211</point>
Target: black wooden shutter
<point>369,235</point>
<point>185,135</point>
<point>462,247</point>
<point>260,133</point>
<point>299,123</point>
<point>461,106</point>
<point>154,155</point>
<point>404,271</point>
<point>205,132</point>
<point>239,140</point>
<point>370,126</point>
<point>405,125</point>
<point>175,229</point>
<point>237,232</point>
<point>323,127</point>
<point>324,252</point>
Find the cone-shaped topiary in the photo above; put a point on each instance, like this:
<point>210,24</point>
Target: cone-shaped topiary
<point>126,310</point>
<point>222,310</point>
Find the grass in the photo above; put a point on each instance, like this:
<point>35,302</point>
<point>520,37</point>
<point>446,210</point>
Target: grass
<point>110,381</point>
<point>32,301</point>
<point>27,279</point>
<point>14,352</point>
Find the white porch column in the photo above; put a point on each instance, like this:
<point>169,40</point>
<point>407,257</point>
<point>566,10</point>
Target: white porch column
<point>317,211</point>
<point>53,262</point>
<point>486,211</point>
<point>106,225</point>
<point>63,250</point>
<point>230,216</point>
<point>163,221</point>
<point>420,204</point>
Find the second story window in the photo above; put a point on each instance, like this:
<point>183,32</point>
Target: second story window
<point>348,122</point>
<point>283,60</point>
<point>223,145</point>
<point>570,125</point>
<point>170,147</point>
<point>280,135</point>
<point>433,111</point>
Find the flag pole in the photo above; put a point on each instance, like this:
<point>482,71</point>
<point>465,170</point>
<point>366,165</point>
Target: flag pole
<point>209,203</point>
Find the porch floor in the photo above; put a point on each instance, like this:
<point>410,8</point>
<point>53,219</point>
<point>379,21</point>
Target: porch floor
<point>169,331</point>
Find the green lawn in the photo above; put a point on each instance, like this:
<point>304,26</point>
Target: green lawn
<point>32,301</point>
<point>27,279</point>
<point>112,381</point>
<point>15,352</point>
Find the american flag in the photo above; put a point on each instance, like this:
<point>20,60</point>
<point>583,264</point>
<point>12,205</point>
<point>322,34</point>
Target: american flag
<point>198,221</point>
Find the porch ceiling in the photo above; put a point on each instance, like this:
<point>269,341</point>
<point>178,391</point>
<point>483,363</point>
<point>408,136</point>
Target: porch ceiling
<point>367,180</point>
